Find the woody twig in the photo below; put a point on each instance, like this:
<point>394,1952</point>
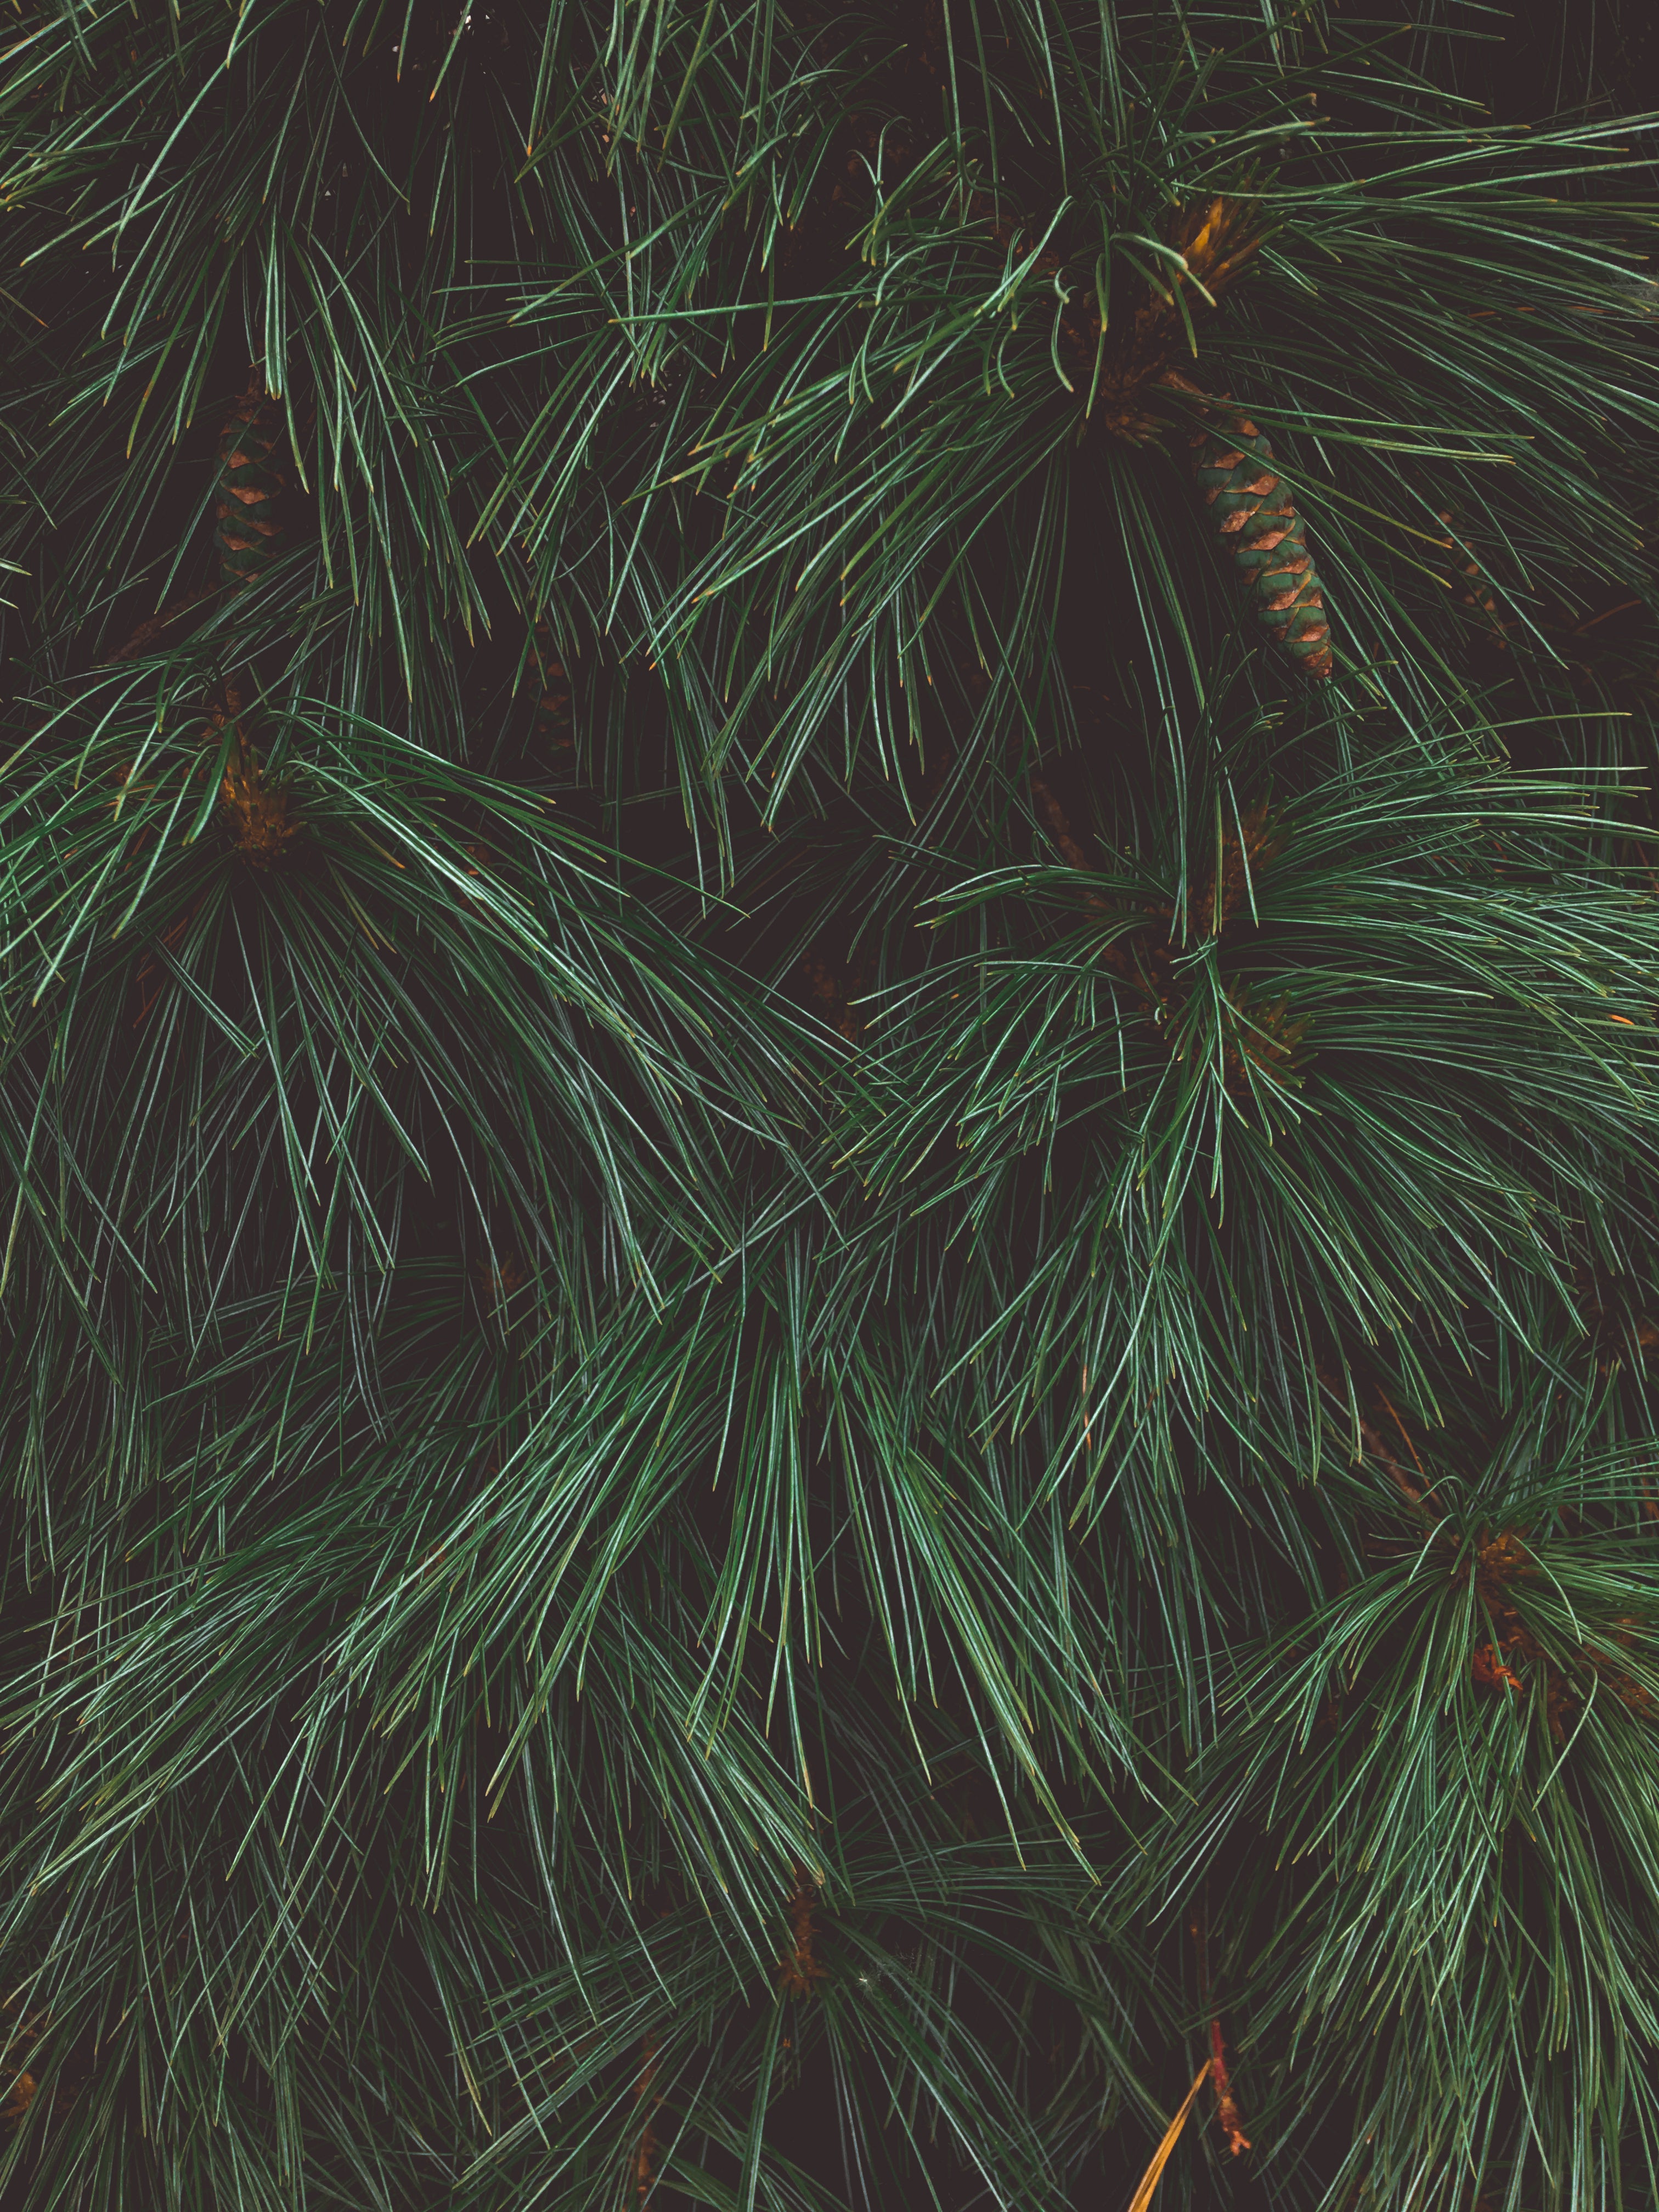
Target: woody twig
<point>647,2148</point>
<point>1227,2103</point>
<point>798,1969</point>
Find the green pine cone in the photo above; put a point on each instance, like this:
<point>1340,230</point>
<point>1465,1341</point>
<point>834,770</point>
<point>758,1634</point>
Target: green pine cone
<point>1255,511</point>
<point>246,529</point>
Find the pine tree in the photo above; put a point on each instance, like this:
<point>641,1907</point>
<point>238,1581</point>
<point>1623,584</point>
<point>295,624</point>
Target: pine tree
<point>828,1092</point>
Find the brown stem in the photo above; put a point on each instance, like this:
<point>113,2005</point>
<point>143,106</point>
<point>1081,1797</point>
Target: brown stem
<point>798,1969</point>
<point>1226,2105</point>
<point>648,2146</point>
<point>1413,1491</point>
<point>1071,851</point>
<point>152,627</point>
<point>1058,827</point>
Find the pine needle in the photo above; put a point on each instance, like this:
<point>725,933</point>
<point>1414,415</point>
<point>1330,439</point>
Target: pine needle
<point>1150,2179</point>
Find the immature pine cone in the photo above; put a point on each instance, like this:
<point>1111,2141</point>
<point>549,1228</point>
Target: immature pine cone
<point>1255,513</point>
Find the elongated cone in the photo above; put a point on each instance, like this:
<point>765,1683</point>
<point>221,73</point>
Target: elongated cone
<point>1255,512</point>
<point>246,529</point>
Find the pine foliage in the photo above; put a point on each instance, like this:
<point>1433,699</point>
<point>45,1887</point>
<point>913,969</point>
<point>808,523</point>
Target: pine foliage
<point>828,1291</point>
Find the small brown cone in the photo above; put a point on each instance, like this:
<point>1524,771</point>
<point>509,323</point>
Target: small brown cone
<point>257,810</point>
